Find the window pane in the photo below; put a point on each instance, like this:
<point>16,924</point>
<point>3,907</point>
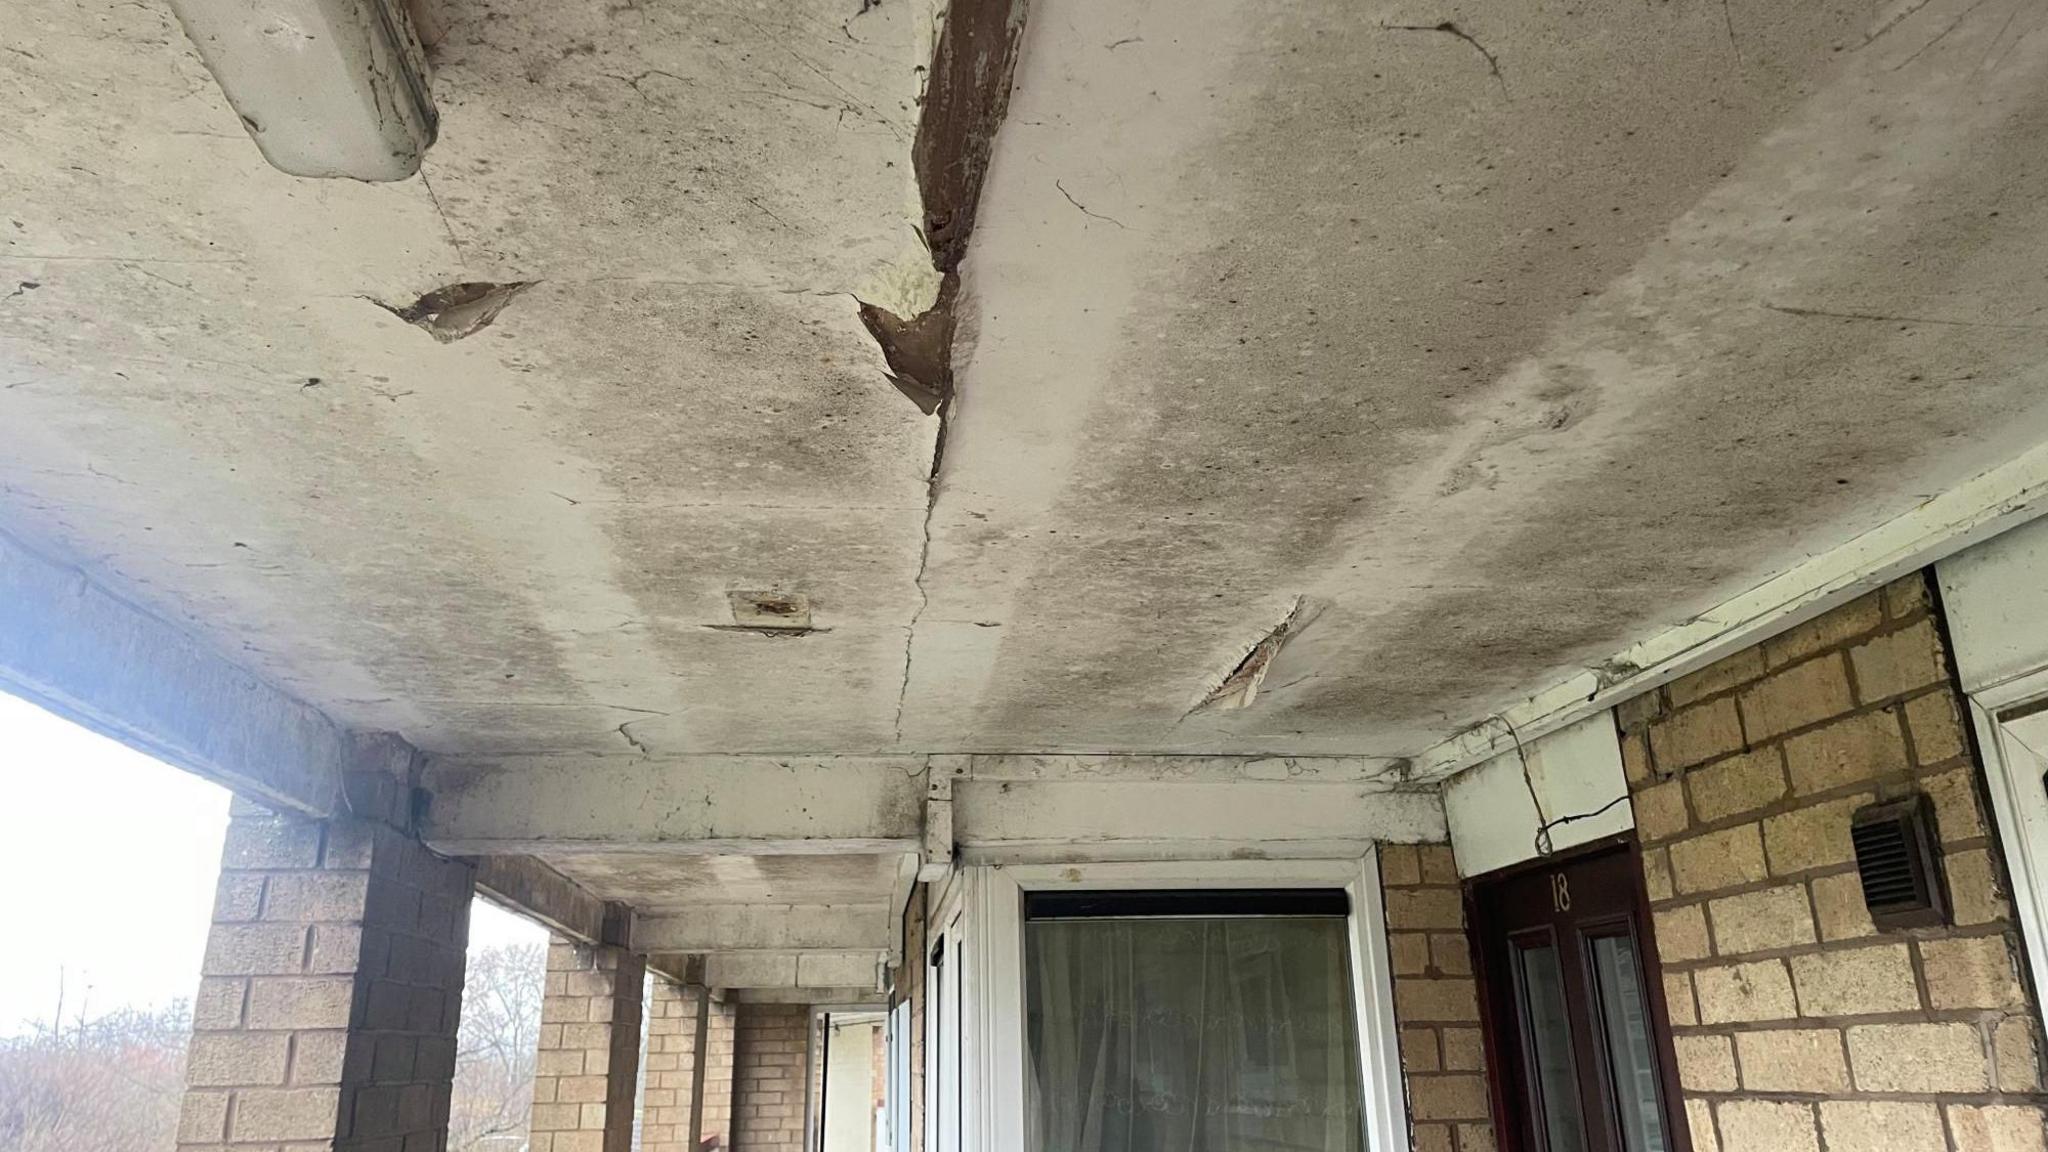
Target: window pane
<point>1626,1016</point>
<point>1549,1030</point>
<point>1199,1034</point>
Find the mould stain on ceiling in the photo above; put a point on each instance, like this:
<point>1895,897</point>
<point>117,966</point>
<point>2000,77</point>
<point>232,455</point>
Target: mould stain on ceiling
<point>1490,341</point>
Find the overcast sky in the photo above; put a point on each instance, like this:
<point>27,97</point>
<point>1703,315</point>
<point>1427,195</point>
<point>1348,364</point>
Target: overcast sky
<point>110,859</point>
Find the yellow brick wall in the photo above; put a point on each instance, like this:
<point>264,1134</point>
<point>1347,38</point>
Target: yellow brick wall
<point>671,1069</point>
<point>1797,1025</point>
<point>770,1066</point>
<point>1436,1000</point>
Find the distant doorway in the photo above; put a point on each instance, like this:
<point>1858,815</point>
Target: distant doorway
<point>852,1112</point>
<point>1575,1007</point>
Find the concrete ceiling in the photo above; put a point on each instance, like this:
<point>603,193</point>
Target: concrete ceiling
<point>1493,337</point>
<point>656,884</point>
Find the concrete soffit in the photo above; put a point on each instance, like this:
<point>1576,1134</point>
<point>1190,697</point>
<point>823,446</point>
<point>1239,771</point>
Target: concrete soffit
<point>1990,503</point>
<point>929,807</point>
<point>923,814</point>
<point>70,645</point>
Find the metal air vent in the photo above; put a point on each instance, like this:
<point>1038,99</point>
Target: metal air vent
<point>1897,863</point>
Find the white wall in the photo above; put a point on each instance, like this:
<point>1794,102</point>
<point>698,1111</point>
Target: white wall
<point>1995,596</point>
<point>1576,770</point>
<point>849,1087</point>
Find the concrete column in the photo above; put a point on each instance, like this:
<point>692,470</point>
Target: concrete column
<point>326,1012</point>
<point>589,1049</point>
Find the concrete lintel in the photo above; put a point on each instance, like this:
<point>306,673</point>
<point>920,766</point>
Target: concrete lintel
<point>1170,768</point>
<point>527,885</point>
<point>755,805</point>
<point>95,658</point>
<point>837,997</point>
<point>728,928</point>
<point>839,968</point>
<point>1183,821</point>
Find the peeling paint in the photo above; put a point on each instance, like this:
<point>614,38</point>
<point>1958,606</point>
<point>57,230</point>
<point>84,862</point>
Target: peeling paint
<point>919,350</point>
<point>965,101</point>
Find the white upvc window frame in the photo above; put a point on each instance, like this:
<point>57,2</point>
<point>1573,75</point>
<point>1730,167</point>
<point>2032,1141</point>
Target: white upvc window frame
<point>947,1038</point>
<point>2018,806</point>
<point>987,904</point>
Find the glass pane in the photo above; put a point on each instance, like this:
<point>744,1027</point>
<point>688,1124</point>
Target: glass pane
<point>1626,1015</point>
<point>1549,1031</point>
<point>1192,1035</point>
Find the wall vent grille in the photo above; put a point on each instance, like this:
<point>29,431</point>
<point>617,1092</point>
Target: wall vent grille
<point>1897,863</point>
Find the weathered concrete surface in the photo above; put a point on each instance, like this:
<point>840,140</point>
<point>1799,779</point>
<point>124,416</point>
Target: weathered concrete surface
<point>1473,344</point>
<point>1500,347</point>
<point>655,884</point>
<point>521,539</point>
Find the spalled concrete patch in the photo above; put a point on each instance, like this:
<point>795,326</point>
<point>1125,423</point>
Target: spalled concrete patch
<point>459,310</point>
<point>1241,686</point>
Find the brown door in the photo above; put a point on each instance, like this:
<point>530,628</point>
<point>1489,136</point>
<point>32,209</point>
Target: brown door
<point>1575,1007</point>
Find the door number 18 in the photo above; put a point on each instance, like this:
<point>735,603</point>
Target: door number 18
<point>1560,892</point>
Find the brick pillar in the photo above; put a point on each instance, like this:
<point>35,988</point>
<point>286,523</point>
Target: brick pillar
<point>720,1038</point>
<point>589,1049</point>
<point>1436,1000</point>
<point>326,1012</point>
<point>672,1068</point>
<point>770,1044</point>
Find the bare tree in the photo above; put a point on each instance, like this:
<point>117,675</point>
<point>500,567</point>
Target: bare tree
<point>494,1059</point>
<point>107,1085</point>
<point>114,1084</point>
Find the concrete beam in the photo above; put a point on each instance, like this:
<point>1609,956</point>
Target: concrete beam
<point>97,659</point>
<point>752,805</point>
<point>836,997</point>
<point>844,968</point>
<point>527,885</point>
<point>766,928</point>
<point>1166,769</point>
<point>937,857</point>
<point>1057,821</point>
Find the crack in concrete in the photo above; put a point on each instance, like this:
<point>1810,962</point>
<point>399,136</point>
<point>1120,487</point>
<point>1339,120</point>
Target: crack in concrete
<point>447,225</point>
<point>1939,36</point>
<point>924,596</point>
<point>965,99</point>
<point>1828,314</point>
<point>1450,28</point>
<point>1085,210</point>
<point>630,738</point>
<point>1892,23</point>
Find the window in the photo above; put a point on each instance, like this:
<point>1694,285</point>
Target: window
<point>1191,1019</point>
